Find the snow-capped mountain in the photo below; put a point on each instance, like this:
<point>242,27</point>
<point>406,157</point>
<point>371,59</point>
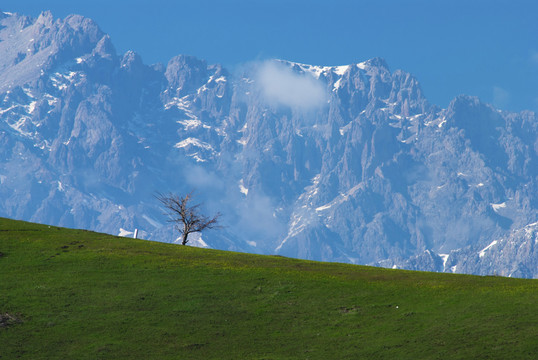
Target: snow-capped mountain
<point>338,163</point>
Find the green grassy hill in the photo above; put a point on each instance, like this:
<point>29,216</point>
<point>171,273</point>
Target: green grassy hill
<point>73,294</point>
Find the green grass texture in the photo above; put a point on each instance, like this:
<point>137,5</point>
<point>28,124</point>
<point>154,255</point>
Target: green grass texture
<point>75,294</point>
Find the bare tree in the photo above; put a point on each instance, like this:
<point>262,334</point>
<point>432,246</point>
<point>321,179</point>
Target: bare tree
<point>186,216</point>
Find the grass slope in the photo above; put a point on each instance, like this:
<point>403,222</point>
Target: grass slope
<point>82,295</point>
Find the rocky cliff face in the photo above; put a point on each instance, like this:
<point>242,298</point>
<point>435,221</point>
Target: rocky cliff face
<point>344,163</point>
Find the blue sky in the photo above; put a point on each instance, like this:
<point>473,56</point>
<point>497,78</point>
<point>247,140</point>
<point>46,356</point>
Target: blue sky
<point>475,47</point>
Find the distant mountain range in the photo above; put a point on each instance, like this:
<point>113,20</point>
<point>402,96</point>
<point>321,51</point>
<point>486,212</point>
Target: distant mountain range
<point>335,163</point>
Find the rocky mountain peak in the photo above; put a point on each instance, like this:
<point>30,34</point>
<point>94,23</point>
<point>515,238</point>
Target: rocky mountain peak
<point>45,19</point>
<point>377,62</point>
<point>131,60</point>
<point>352,165</point>
<point>104,48</point>
<point>185,74</point>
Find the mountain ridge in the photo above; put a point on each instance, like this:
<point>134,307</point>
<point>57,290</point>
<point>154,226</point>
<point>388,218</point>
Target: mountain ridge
<point>352,164</point>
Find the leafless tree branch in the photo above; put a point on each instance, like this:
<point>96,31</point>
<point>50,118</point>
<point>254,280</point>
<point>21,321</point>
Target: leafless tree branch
<point>186,217</point>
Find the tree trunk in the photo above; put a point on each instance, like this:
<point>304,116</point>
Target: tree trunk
<point>184,242</point>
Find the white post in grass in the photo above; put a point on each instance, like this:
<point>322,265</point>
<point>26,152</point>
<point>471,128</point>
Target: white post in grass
<point>135,234</point>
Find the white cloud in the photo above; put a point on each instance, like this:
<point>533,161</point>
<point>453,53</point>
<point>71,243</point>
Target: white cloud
<point>281,85</point>
<point>197,177</point>
<point>501,97</point>
<point>257,218</point>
